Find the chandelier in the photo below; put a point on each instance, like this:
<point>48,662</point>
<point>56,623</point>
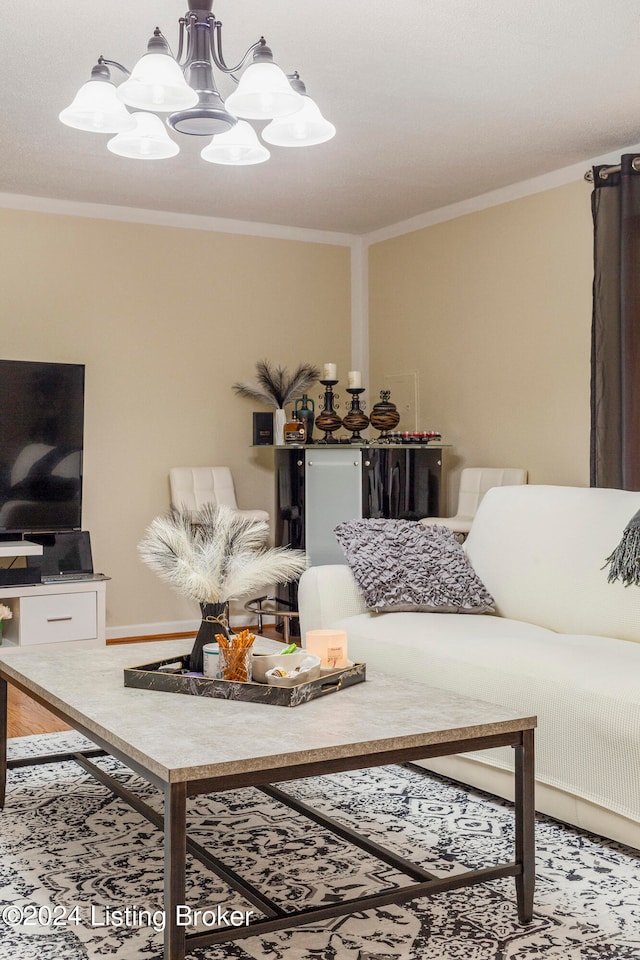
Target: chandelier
<point>184,88</point>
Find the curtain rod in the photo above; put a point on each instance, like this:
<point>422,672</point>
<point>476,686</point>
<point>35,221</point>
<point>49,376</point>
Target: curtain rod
<point>607,171</point>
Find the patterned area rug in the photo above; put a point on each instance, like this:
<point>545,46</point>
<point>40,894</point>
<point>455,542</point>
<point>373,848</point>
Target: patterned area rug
<point>81,873</point>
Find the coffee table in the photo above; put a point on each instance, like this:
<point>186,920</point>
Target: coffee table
<point>188,745</point>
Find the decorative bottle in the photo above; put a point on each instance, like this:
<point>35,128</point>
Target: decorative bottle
<point>294,430</point>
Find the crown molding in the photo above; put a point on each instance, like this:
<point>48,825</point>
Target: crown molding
<point>185,221</point>
<point>516,191</point>
<point>165,218</point>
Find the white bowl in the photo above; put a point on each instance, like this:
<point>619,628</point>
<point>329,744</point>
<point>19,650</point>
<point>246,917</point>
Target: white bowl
<point>285,661</point>
<point>265,645</point>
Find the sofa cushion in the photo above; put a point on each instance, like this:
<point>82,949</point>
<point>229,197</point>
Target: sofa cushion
<point>541,552</point>
<point>584,690</point>
<point>402,565</point>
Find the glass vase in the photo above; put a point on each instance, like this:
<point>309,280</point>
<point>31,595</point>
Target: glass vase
<point>279,420</point>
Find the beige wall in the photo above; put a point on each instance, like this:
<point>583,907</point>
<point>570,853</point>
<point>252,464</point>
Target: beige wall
<point>493,311</point>
<point>165,320</point>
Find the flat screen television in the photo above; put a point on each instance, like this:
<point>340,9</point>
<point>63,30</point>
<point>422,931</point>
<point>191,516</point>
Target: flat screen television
<point>41,441</point>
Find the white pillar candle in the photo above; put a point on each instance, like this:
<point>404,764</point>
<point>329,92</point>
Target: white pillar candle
<point>329,371</point>
<point>354,378</point>
<point>329,645</point>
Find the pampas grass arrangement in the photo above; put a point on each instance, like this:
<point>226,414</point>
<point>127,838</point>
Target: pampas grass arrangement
<point>275,386</point>
<point>214,554</point>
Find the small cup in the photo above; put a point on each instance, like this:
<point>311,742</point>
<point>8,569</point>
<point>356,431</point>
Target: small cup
<point>210,660</point>
<point>235,664</point>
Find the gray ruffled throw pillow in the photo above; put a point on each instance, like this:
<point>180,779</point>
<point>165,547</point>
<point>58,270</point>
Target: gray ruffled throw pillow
<point>405,565</point>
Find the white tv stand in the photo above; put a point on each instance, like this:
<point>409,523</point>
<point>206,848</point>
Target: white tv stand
<point>69,612</point>
<point>19,548</point>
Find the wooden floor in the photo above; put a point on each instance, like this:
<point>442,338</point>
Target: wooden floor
<point>26,717</point>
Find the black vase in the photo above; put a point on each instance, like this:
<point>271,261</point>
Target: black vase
<point>215,619</point>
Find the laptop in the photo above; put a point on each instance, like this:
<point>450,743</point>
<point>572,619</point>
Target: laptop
<point>65,556</point>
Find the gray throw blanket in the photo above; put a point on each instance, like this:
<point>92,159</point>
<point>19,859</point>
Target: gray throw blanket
<point>625,559</point>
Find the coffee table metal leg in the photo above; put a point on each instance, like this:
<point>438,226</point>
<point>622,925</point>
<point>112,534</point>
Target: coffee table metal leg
<point>525,825</point>
<point>175,854</point>
<point>3,741</point>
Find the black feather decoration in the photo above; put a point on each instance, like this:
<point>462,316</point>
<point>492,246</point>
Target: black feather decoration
<point>275,386</point>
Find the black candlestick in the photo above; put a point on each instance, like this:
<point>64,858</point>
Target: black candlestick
<point>355,420</point>
<point>328,420</point>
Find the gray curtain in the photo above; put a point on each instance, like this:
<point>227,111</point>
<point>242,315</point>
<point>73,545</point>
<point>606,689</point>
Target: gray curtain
<point>615,339</point>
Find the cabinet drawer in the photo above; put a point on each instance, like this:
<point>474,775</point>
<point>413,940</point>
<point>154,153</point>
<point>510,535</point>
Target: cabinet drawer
<point>54,618</point>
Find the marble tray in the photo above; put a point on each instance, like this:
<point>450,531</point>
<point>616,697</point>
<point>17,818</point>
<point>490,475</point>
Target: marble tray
<point>148,677</point>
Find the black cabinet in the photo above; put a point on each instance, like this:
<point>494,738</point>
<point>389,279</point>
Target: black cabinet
<point>317,486</point>
<point>402,482</point>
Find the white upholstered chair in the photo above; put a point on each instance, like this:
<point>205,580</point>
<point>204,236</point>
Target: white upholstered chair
<point>474,483</point>
<point>192,487</point>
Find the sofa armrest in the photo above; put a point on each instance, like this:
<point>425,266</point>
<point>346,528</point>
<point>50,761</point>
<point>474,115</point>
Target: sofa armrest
<point>326,594</point>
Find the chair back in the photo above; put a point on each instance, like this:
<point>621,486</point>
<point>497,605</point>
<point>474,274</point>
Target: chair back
<point>192,487</point>
<point>475,481</point>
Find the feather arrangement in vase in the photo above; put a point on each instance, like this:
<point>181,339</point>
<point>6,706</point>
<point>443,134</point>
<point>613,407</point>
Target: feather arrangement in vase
<point>275,386</point>
<point>213,555</point>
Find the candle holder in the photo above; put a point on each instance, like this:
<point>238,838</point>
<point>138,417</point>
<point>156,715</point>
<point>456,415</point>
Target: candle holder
<point>328,420</point>
<point>330,646</point>
<point>355,420</point>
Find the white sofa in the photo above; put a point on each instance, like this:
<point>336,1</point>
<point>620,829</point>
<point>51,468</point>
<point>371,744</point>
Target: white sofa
<point>563,644</point>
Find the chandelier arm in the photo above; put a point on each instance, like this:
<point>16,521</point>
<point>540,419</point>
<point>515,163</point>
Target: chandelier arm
<point>182,22</point>
<point>190,23</point>
<point>218,57</point>
<point>113,63</point>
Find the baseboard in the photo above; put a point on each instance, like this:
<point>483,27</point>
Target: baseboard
<point>151,638</point>
<point>166,629</point>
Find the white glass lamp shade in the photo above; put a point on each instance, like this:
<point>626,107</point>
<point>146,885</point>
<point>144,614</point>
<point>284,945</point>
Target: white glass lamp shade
<point>157,83</point>
<point>237,147</point>
<point>148,140</point>
<point>304,128</point>
<point>264,92</point>
<point>96,108</point>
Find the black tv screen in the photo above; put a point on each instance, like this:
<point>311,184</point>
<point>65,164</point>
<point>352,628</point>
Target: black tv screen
<point>41,438</point>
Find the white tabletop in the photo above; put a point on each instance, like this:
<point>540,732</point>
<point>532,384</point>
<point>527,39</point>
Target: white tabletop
<point>178,737</point>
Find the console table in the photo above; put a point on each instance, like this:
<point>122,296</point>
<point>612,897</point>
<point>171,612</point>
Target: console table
<point>320,485</point>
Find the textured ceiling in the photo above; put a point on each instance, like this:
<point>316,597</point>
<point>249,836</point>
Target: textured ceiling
<point>435,101</point>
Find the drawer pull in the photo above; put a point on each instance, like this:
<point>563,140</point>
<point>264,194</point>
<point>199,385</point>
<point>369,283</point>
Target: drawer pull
<point>57,619</point>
